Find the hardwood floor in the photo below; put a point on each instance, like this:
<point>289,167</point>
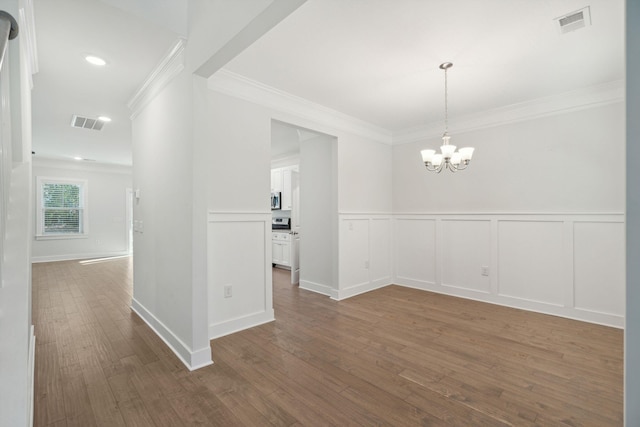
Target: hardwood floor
<point>395,356</point>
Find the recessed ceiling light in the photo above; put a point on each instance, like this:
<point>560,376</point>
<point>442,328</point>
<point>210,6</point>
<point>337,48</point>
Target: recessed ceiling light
<point>104,119</point>
<point>95,60</point>
<point>77,158</point>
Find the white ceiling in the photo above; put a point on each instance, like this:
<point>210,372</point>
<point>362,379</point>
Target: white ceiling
<point>376,60</point>
<point>66,31</point>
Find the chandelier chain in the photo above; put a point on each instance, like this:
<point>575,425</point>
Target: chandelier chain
<point>446,103</point>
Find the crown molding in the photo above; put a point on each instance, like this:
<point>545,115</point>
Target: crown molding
<point>169,67</point>
<point>230,83</point>
<point>75,165</point>
<point>567,102</point>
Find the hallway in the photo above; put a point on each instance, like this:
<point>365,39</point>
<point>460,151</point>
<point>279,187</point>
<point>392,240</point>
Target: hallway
<point>395,356</point>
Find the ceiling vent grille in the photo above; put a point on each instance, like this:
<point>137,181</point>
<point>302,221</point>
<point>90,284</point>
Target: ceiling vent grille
<point>574,20</point>
<point>86,123</point>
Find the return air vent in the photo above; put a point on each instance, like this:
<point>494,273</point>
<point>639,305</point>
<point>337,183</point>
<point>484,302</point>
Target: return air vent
<point>574,20</point>
<point>86,123</point>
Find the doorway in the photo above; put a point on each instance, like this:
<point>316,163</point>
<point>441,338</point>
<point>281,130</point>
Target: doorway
<point>311,158</point>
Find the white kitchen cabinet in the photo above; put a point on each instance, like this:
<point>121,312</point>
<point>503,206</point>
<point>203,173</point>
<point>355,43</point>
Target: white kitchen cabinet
<point>281,181</point>
<point>281,248</point>
<point>276,180</point>
<point>286,190</point>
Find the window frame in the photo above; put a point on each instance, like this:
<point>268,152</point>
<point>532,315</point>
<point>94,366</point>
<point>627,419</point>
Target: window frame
<point>40,234</point>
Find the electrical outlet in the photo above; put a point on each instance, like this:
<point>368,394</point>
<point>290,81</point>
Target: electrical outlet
<point>484,270</point>
<point>228,292</point>
<point>366,265</point>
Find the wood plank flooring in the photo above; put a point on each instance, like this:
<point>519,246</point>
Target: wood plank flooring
<point>393,357</point>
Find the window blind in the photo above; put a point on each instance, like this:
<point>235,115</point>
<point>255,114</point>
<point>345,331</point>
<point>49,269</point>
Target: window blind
<point>62,208</point>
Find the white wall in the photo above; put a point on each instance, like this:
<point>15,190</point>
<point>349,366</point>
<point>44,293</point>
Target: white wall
<point>106,206</point>
<point>318,214</point>
<point>365,205</point>
<point>632,329</point>
<point>541,206</point>
<point>163,173</point>
<point>236,149</point>
<point>233,146</point>
<point>17,342</point>
<point>364,175</point>
<point>170,248</point>
<point>562,163</point>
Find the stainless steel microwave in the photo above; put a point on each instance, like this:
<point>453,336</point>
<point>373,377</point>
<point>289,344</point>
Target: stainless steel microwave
<point>276,199</point>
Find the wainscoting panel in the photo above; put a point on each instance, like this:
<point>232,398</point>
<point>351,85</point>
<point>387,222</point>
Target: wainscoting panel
<point>415,243</point>
<point>239,256</point>
<point>569,265</point>
<point>380,250</point>
<point>466,249</point>
<point>354,252</point>
<point>365,254</point>
<point>531,261</point>
<point>599,267</point>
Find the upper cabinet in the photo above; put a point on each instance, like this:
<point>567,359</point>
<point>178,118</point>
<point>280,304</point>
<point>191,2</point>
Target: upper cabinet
<point>286,189</point>
<point>276,180</point>
<point>281,181</point>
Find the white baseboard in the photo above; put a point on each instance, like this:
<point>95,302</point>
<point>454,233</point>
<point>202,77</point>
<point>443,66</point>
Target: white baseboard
<point>240,323</point>
<point>70,257</point>
<point>317,288</point>
<point>191,359</point>
<point>524,304</point>
<point>32,367</point>
<point>360,289</point>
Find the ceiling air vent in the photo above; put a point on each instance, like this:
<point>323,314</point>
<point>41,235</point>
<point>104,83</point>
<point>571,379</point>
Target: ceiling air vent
<point>86,123</point>
<point>574,20</point>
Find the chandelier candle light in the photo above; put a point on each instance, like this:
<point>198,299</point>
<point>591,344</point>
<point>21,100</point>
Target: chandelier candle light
<point>449,158</point>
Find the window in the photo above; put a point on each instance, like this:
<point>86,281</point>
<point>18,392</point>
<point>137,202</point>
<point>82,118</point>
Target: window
<point>61,208</point>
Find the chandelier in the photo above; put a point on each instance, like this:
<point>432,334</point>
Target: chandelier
<point>449,158</point>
